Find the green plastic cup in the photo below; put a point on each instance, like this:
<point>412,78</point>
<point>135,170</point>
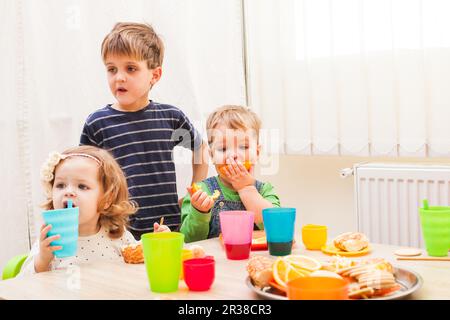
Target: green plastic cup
<point>162,257</point>
<point>435,223</point>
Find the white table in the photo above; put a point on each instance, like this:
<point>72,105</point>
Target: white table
<point>107,280</point>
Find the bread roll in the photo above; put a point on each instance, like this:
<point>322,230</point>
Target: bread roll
<point>259,269</point>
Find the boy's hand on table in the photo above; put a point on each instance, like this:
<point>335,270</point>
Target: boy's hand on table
<point>45,255</point>
<point>238,175</point>
<point>200,200</point>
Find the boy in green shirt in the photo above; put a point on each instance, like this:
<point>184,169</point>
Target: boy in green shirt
<point>233,137</point>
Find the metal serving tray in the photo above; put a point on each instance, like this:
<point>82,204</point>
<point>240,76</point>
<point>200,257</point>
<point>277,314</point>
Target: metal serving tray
<point>409,281</point>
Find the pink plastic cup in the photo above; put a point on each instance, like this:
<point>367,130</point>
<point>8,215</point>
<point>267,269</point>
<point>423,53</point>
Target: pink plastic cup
<point>199,273</point>
<point>237,230</point>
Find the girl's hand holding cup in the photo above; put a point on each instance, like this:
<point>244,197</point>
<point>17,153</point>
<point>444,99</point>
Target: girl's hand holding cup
<point>46,255</point>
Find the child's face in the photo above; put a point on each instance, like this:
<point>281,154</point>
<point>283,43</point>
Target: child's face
<point>236,144</point>
<point>76,178</point>
<point>130,81</point>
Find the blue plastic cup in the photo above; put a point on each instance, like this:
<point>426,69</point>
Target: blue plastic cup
<point>279,224</point>
<point>65,223</point>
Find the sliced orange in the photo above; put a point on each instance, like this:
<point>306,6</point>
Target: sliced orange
<point>247,164</point>
<point>283,272</point>
<point>195,187</point>
<point>303,262</point>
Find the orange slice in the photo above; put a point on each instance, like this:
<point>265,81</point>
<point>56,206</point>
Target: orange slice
<point>195,187</point>
<point>283,272</point>
<point>247,164</point>
<point>303,262</point>
<point>275,285</point>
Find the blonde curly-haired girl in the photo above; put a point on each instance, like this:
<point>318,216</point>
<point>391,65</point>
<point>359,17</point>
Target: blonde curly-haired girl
<point>92,180</point>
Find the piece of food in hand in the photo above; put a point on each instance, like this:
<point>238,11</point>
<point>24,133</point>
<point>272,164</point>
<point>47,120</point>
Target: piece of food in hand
<point>133,253</point>
<point>215,195</point>
<point>351,241</point>
<point>259,269</point>
<point>196,187</point>
<point>247,164</point>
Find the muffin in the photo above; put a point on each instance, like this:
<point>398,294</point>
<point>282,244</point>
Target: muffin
<point>133,253</point>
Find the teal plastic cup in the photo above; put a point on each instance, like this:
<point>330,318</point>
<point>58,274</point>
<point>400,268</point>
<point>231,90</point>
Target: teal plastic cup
<point>279,224</point>
<point>64,223</point>
<point>162,257</point>
<point>435,222</point>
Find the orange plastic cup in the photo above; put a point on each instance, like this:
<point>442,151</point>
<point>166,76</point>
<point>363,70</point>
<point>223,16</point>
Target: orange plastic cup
<point>314,236</point>
<point>185,255</point>
<point>317,288</point>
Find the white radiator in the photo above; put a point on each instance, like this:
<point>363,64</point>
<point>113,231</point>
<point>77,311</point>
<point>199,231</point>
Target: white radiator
<point>388,197</point>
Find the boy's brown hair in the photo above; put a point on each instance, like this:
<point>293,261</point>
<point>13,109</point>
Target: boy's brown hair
<point>233,117</point>
<point>136,40</point>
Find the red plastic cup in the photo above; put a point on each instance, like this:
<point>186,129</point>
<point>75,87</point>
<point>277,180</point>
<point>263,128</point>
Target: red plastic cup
<point>199,273</point>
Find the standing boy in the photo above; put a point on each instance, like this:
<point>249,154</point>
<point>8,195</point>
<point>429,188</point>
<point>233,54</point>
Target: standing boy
<point>141,133</point>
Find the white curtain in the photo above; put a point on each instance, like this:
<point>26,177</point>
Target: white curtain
<point>53,77</point>
<point>13,198</point>
<point>352,77</point>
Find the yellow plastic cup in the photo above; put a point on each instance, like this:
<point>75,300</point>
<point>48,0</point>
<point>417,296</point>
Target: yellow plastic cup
<point>186,254</point>
<point>314,236</point>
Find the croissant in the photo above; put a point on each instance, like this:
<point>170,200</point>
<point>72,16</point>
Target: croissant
<point>351,241</point>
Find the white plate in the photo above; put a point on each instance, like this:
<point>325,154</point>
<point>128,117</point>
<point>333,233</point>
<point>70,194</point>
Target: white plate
<point>409,281</point>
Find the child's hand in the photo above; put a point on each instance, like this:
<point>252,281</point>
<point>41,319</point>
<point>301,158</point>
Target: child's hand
<point>200,200</point>
<point>238,175</point>
<point>45,255</point>
<point>160,227</point>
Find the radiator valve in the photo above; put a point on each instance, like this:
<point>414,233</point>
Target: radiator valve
<point>346,172</point>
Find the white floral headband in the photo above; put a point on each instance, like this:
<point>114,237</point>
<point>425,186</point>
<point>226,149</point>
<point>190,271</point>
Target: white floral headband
<point>48,168</point>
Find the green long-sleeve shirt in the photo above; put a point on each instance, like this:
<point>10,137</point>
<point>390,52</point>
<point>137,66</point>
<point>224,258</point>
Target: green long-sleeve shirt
<point>195,224</point>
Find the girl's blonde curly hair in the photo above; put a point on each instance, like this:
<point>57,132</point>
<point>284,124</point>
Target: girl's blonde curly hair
<point>114,206</point>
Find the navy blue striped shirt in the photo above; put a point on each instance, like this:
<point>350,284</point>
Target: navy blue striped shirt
<point>142,142</point>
